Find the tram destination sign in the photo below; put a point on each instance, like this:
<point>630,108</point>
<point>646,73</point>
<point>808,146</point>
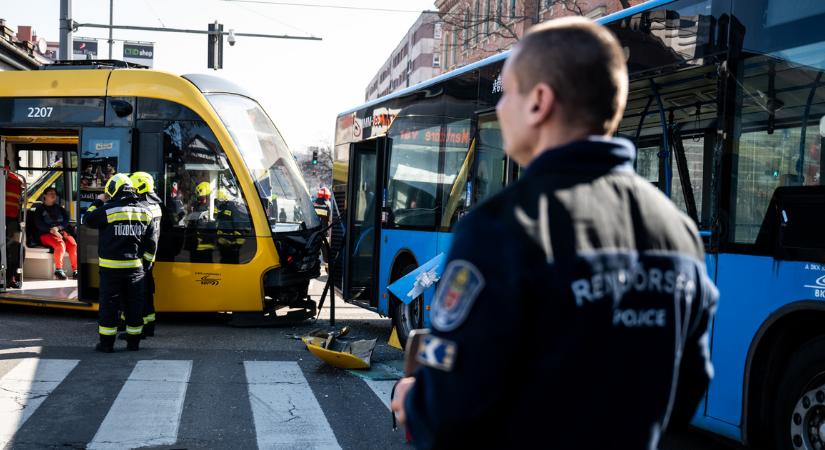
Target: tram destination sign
<point>51,111</point>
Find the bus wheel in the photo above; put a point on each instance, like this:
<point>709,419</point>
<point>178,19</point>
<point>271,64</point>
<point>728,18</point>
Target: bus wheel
<point>799,410</point>
<point>407,318</point>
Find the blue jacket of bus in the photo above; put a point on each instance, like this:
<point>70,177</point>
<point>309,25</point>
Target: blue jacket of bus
<point>573,313</point>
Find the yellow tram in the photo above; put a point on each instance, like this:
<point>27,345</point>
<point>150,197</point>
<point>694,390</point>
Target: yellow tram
<point>72,125</point>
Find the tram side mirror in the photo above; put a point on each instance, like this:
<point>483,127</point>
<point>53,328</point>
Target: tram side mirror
<point>121,107</point>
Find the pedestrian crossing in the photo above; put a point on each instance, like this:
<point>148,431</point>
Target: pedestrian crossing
<point>286,404</point>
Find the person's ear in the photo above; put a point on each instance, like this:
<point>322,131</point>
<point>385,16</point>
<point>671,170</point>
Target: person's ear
<point>542,104</point>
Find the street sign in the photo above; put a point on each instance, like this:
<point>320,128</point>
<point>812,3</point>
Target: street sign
<point>139,53</point>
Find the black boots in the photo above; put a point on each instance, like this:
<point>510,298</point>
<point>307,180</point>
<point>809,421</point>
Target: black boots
<point>133,342</point>
<point>149,329</point>
<point>106,344</point>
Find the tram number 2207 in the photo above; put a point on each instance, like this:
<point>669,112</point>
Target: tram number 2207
<point>40,111</point>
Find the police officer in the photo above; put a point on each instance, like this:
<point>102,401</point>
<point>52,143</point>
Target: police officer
<point>126,232</point>
<point>574,306</point>
<point>145,189</point>
<point>232,221</point>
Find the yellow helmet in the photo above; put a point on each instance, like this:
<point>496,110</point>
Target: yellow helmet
<point>223,195</point>
<point>116,183</point>
<point>143,182</point>
<point>203,189</point>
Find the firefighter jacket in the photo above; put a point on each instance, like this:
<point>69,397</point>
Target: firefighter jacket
<point>152,202</point>
<point>126,231</point>
<point>572,312</point>
<point>232,223</point>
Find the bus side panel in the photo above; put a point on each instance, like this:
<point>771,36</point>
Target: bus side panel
<point>423,246</point>
<point>716,426</point>
<point>752,288</point>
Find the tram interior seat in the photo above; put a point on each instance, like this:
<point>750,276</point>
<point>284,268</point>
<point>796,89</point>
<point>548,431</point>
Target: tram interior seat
<point>39,262</point>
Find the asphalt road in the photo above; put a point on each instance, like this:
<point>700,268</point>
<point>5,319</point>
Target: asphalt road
<point>198,384</point>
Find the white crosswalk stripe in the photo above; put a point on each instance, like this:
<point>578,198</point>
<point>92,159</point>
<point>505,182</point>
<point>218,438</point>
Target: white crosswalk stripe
<point>286,412</point>
<point>24,388</point>
<point>148,409</point>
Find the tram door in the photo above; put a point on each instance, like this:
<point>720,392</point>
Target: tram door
<point>364,209</point>
<point>104,151</point>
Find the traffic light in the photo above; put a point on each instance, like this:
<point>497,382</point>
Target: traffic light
<point>314,157</point>
<point>215,47</point>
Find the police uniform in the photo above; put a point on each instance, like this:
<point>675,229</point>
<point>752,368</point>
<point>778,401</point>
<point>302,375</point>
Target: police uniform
<point>125,233</point>
<point>145,187</point>
<point>573,312</point>
<point>232,223</point>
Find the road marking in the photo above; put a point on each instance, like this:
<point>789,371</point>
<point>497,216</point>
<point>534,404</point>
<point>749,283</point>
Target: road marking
<point>381,378</point>
<point>25,387</point>
<point>286,412</point>
<point>148,409</point>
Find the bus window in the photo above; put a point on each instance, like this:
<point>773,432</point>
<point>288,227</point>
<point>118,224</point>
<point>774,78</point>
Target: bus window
<point>694,153</point>
<point>780,142</point>
<point>491,165</point>
<point>647,163</point>
<point>414,173</point>
<point>197,183</point>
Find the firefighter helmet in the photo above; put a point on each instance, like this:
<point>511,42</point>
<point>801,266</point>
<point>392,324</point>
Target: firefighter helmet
<point>143,182</point>
<point>116,183</point>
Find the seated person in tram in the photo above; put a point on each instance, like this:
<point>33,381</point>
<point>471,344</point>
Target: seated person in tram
<point>52,224</point>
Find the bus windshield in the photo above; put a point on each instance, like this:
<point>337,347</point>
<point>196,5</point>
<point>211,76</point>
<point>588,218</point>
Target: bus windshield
<point>277,178</point>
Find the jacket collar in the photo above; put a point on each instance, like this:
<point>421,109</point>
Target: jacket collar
<point>594,154</point>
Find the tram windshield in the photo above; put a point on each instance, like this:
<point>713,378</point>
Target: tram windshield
<point>277,178</point>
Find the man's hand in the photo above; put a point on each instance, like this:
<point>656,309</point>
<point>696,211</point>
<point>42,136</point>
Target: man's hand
<point>102,197</point>
<point>55,232</point>
<point>401,390</point>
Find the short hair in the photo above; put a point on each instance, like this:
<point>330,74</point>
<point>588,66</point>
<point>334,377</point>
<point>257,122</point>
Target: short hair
<point>49,189</point>
<point>583,63</point>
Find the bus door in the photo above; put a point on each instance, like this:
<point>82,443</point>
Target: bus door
<point>104,151</point>
<point>364,218</point>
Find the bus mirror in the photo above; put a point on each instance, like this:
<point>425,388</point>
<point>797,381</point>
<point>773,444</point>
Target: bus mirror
<point>121,107</point>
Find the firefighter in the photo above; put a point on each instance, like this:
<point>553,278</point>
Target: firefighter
<point>145,189</point>
<point>233,223</point>
<point>200,242</point>
<point>574,307</point>
<point>125,233</point>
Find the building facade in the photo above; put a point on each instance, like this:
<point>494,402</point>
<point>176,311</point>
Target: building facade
<point>21,50</point>
<point>416,58</point>
<point>475,29</point>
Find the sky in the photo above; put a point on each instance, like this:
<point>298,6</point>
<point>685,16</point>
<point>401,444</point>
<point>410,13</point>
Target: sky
<point>303,85</point>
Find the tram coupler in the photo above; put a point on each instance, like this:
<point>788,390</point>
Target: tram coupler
<point>298,312</point>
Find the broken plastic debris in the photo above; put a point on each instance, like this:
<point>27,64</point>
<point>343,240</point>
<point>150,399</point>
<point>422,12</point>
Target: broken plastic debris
<point>422,282</point>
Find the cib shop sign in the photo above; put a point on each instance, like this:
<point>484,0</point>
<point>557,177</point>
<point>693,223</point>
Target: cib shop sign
<point>139,52</point>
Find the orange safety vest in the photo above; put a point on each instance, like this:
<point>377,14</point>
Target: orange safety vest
<point>14,192</point>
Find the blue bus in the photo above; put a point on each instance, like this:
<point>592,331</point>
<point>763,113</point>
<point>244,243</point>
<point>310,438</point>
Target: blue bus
<point>727,109</point>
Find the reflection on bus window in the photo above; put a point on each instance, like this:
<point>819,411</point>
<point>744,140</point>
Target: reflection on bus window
<point>413,175</point>
<point>199,187</point>
<point>491,169</point>
<point>277,178</point>
<point>773,150</point>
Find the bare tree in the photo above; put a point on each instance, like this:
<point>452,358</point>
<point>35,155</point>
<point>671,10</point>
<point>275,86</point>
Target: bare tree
<point>470,22</point>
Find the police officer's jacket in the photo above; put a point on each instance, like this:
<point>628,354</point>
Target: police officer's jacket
<point>152,202</point>
<point>572,313</point>
<point>126,231</point>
